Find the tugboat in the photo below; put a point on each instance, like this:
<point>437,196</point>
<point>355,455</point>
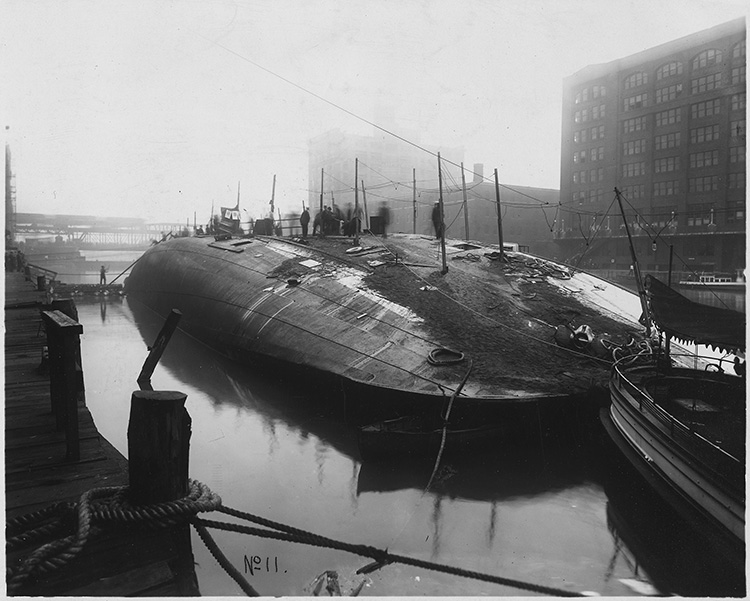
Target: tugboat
<point>680,418</point>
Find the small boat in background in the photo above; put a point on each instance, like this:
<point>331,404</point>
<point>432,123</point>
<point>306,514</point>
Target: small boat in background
<point>711,281</point>
<point>681,419</point>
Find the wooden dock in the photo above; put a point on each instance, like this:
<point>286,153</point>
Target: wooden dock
<point>115,562</point>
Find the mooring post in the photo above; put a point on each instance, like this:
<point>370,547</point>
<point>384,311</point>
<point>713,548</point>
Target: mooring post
<point>158,446</point>
<point>66,375</point>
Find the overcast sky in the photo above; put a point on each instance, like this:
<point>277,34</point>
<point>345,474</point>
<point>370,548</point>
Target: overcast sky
<point>157,109</point>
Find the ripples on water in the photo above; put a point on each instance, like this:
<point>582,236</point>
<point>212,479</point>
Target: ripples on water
<point>568,515</point>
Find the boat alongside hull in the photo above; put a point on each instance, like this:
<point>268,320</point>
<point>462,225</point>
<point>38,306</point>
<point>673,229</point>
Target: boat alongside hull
<point>700,479</point>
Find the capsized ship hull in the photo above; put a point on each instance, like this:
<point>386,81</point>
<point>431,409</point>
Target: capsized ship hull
<point>373,320</point>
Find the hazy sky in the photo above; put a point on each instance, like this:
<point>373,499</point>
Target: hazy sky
<point>156,109</point>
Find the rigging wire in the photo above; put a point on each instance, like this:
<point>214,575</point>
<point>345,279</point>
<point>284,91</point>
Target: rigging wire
<point>349,112</point>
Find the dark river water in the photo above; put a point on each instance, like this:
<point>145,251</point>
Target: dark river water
<point>567,514</point>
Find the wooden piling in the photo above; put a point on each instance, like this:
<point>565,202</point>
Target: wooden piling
<point>66,375</point>
<point>158,446</point>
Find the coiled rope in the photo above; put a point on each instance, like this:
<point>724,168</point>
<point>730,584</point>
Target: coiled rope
<point>102,505</point>
<point>96,506</point>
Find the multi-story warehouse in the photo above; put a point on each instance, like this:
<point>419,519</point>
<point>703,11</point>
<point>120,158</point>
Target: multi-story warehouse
<point>383,159</point>
<point>405,180</point>
<point>667,128</point>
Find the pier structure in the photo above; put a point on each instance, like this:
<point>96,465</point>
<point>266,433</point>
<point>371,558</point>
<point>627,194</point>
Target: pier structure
<point>56,459</point>
<point>92,231</point>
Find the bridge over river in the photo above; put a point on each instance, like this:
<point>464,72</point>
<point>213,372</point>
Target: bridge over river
<point>92,231</point>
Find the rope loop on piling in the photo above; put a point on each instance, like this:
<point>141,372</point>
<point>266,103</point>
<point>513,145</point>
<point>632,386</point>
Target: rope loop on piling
<point>95,508</point>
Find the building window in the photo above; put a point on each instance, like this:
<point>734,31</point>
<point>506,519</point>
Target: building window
<point>597,112</point>
<point>736,181</point>
<point>704,134</point>
<point>577,117</point>
<point>739,101</point>
<point>597,154</point>
<point>736,211</point>
<point>667,141</point>
<point>635,124</point>
<point>597,132</point>
<point>668,93</point>
<point>706,83</point>
<point>707,58</point>
<point>635,80</point>
<point>708,158</point>
<point>668,70</point>
<point>668,117</point>
<point>584,115</point>
<point>739,50</point>
<point>698,214</point>
<point>705,109</point>
<point>667,164</point>
<point>669,188</point>
<point>633,169</point>
<point>634,147</point>
<point>737,154</point>
<point>598,91</point>
<point>635,102</point>
<point>703,184</point>
<point>636,191</point>
<point>575,177</point>
<point>738,75</point>
<point>584,177</point>
<point>585,95</point>
<point>737,129</point>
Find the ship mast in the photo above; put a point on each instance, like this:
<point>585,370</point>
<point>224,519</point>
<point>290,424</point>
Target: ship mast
<point>645,320</point>
<point>442,215</point>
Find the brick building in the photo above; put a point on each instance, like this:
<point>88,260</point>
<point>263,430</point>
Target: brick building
<point>665,126</point>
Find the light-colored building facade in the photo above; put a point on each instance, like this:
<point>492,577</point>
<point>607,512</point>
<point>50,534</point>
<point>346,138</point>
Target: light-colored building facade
<point>667,128</point>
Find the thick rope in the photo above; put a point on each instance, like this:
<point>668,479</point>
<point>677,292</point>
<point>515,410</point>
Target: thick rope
<point>101,505</point>
<point>222,560</point>
<point>381,556</point>
<point>93,507</point>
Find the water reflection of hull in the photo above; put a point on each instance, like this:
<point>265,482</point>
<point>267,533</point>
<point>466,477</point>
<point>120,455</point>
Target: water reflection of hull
<point>413,436</point>
<point>525,472</point>
<point>271,395</point>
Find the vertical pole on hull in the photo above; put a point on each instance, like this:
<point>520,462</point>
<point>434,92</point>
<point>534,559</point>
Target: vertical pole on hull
<point>364,202</point>
<point>499,216</point>
<point>273,195</point>
<point>636,269</point>
<point>414,201</point>
<point>321,191</point>
<point>356,202</point>
<point>669,274</point>
<point>442,216</point>
<point>466,205</point>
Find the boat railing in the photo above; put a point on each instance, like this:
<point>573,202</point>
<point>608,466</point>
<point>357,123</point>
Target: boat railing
<point>623,375</point>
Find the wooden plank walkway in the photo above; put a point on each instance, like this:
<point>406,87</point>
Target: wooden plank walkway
<point>118,562</point>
